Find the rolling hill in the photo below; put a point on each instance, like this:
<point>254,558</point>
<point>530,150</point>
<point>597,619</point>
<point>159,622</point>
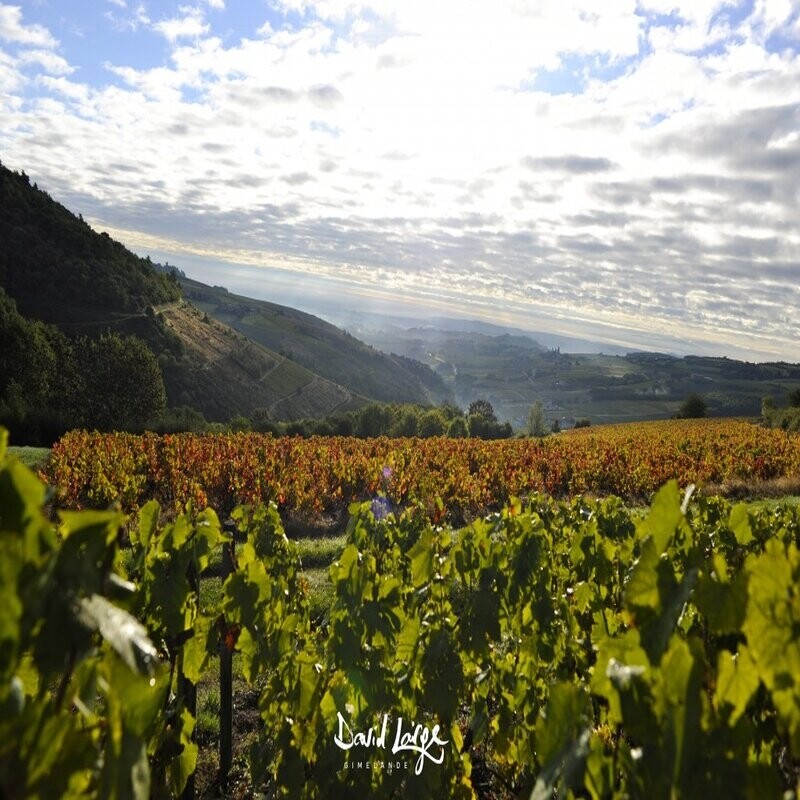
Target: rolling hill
<point>513,370</point>
<point>321,347</point>
<point>233,374</point>
<point>58,270</point>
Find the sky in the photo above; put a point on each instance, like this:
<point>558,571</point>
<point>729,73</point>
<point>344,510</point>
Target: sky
<point>629,175</point>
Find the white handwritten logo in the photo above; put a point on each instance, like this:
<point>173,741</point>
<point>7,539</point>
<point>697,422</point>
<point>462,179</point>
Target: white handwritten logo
<point>420,740</point>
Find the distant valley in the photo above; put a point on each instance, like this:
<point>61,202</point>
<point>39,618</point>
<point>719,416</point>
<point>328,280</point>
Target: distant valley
<point>513,369</point>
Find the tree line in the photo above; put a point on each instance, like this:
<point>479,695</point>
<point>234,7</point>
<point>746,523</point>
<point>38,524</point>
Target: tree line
<point>374,419</point>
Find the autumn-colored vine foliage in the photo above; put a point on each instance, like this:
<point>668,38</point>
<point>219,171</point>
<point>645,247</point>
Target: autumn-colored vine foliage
<point>471,476</point>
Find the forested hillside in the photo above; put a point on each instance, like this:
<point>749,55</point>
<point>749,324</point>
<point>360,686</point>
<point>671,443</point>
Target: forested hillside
<point>58,269</point>
<point>94,336</point>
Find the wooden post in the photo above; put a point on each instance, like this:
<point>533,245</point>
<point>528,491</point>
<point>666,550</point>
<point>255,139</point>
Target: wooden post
<point>188,689</point>
<point>226,686</point>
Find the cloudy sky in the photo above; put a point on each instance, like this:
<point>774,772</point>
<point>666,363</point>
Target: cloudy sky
<point>630,174</point>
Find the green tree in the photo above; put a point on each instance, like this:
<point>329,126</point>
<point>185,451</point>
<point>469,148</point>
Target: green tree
<point>261,421</point>
<point>431,423</point>
<point>181,419</point>
<point>27,361</point>
<point>537,425</point>
<point>240,424</point>
<point>322,427</point>
<point>693,407</point>
<point>373,420</point>
<point>450,411</point>
<point>457,428</point>
<point>478,426</point>
<point>768,410</point>
<point>39,389</point>
<point>342,424</point>
<point>482,408</point>
<point>297,427</point>
<point>406,421</point>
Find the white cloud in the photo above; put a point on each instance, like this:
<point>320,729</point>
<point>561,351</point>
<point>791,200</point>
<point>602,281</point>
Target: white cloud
<point>773,14</point>
<point>118,3</point>
<point>10,77</point>
<point>49,61</point>
<point>12,29</point>
<point>67,88</point>
<point>131,21</point>
<point>191,25</point>
<point>217,5</point>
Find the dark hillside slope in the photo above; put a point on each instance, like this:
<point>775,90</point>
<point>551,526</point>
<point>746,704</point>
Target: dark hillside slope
<point>223,373</point>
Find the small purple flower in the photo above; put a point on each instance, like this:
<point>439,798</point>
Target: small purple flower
<point>381,508</point>
<point>387,473</point>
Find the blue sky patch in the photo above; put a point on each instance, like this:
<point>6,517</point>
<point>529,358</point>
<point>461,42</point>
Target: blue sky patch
<point>576,71</point>
<point>568,79</point>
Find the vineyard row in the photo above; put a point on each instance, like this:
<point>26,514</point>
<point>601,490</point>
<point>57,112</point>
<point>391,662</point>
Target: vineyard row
<point>470,476</point>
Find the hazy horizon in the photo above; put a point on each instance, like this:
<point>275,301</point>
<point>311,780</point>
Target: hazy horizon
<point>313,295</point>
<point>628,176</point>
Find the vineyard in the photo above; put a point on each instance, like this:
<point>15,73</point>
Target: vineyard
<point>553,648</point>
<point>470,476</point>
